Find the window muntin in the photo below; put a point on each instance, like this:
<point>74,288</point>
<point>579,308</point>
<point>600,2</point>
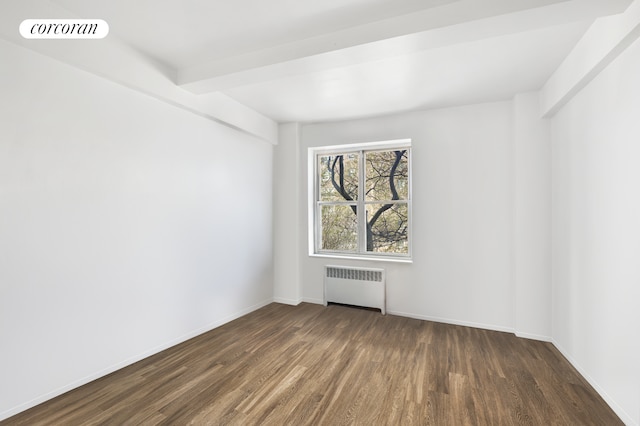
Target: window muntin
<point>362,201</point>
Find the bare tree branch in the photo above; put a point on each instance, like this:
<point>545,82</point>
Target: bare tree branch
<point>340,187</point>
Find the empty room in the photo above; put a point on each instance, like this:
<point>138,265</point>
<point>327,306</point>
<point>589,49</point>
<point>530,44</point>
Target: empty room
<point>372,212</point>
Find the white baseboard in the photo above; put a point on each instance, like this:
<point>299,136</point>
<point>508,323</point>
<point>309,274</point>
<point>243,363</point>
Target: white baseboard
<point>533,336</point>
<point>312,300</point>
<point>75,384</point>
<point>286,301</point>
<point>453,322</point>
<point>624,416</point>
<point>436,319</point>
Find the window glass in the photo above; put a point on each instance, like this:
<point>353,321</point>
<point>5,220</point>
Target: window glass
<point>387,175</point>
<point>363,201</point>
<point>339,175</point>
<point>339,228</point>
<point>387,228</point>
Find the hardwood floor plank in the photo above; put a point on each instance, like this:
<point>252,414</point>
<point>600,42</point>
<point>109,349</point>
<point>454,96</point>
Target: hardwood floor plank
<point>336,365</point>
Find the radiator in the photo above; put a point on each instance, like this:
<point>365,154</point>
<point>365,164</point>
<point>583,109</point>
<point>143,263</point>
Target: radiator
<point>355,286</point>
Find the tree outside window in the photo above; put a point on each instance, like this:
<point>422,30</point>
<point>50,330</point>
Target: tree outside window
<point>362,202</point>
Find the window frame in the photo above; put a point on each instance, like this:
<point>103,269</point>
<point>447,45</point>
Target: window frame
<point>315,204</point>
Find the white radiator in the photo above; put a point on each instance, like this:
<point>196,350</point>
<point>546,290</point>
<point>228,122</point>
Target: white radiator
<point>355,286</point>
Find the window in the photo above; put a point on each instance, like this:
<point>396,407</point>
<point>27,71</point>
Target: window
<point>362,200</point>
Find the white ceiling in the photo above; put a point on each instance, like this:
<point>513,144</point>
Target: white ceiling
<point>481,71</point>
<point>182,33</point>
<point>310,60</point>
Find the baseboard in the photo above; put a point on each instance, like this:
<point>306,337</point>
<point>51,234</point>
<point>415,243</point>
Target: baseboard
<point>312,300</point>
<point>293,302</point>
<point>453,322</point>
<point>533,336</point>
<point>463,323</point>
<point>620,412</point>
<point>75,384</point>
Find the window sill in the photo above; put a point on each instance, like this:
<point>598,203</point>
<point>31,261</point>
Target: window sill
<point>366,258</point>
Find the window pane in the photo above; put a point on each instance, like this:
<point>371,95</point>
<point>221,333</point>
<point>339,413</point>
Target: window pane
<point>339,228</point>
<point>338,177</point>
<point>387,175</point>
<point>387,226</point>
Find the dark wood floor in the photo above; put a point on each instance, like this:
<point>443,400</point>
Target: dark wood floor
<point>337,365</point>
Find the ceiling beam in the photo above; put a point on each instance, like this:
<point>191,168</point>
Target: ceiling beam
<point>605,40</point>
<point>112,59</point>
<point>441,26</point>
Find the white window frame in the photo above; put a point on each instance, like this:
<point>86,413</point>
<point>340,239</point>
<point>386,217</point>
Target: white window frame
<point>314,205</point>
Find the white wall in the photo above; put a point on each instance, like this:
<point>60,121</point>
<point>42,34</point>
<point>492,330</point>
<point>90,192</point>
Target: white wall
<point>286,223</point>
<point>532,219</point>
<point>126,226</point>
<point>119,62</point>
<point>462,210</point>
<point>596,232</point>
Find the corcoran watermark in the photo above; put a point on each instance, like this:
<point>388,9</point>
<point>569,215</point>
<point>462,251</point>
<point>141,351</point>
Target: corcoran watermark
<point>64,28</point>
